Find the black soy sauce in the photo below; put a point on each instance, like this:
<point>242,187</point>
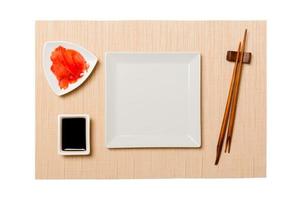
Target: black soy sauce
<point>73,134</point>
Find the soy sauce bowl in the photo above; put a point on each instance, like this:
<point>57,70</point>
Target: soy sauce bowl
<point>73,134</point>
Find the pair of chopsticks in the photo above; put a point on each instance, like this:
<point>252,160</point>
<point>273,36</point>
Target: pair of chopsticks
<point>231,103</point>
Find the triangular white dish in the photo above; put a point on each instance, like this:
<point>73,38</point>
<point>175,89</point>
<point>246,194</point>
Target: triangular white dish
<point>49,46</point>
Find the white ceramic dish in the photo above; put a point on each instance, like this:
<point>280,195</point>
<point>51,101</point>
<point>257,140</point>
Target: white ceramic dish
<point>152,100</point>
<point>53,82</point>
<point>87,135</point>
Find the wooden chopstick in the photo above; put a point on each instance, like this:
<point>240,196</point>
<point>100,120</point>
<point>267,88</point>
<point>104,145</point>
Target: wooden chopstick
<point>227,108</point>
<point>235,96</point>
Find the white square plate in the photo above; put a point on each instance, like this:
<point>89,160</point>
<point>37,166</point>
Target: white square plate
<point>152,100</point>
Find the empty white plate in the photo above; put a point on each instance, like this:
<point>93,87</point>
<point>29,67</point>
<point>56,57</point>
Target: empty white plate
<point>90,58</point>
<point>152,100</point>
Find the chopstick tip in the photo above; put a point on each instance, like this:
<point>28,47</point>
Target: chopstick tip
<point>218,157</point>
<point>216,162</point>
<point>245,33</point>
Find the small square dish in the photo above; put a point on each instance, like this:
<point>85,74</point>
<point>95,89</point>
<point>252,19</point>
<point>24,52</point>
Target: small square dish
<point>73,134</point>
<point>152,100</point>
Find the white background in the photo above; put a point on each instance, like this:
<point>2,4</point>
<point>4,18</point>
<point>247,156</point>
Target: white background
<point>17,100</point>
